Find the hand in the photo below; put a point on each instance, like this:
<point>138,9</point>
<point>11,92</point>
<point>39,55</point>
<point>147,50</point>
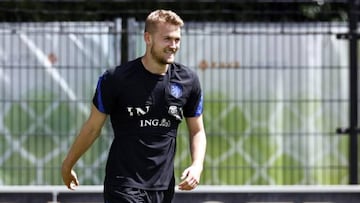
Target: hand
<point>190,178</point>
<point>70,178</point>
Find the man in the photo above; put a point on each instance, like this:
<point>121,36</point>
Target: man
<point>146,100</point>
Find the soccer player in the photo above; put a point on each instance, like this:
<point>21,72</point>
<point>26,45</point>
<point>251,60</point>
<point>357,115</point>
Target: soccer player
<point>146,100</point>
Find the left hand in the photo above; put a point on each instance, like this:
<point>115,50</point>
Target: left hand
<point>190,178</point>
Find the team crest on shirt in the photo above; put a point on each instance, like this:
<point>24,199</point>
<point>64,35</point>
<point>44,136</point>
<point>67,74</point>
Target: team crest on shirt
<point>176,90</point>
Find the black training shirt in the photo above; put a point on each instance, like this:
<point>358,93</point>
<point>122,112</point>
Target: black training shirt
<point>145,110</point>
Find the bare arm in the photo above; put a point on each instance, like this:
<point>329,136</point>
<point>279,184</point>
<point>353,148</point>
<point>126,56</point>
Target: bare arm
<point>191,175</point>
<point>86,137</point>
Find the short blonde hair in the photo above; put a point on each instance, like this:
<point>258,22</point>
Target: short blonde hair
<point>162,16</point>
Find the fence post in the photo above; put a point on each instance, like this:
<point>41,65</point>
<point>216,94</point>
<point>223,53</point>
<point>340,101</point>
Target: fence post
<point>124,39</point>
<point>353,129</point>
<point>353,141</point>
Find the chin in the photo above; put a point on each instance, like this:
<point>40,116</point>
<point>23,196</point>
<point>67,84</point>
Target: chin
<point>170,60</point>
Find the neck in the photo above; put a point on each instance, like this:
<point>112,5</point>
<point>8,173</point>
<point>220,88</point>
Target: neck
<point>154,67</point>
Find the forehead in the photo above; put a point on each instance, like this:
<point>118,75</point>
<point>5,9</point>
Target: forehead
<point>168,29</point>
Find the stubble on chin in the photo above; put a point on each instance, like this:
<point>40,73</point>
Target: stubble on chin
<point>163,60</point>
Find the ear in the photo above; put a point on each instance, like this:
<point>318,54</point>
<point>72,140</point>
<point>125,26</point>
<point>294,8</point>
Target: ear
<point>147,38</point>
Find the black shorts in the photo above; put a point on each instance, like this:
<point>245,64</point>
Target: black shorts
<point>120,194</point>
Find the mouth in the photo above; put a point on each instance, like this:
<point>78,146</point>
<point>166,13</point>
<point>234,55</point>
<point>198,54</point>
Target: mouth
<point>170,53</point>
<point>171,50</point>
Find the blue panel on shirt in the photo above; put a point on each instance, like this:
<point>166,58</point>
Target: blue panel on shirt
<point>99,98</point>
<point>199,108</point>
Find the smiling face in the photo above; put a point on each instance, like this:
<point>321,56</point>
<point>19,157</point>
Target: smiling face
<point>163,43</point>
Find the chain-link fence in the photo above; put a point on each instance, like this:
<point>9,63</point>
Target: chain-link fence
<point>275,91</point>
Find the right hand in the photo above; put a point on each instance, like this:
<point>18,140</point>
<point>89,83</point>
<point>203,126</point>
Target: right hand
<point>70,178</point>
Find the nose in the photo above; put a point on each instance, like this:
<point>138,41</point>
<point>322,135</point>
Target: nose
<point>173,44</point>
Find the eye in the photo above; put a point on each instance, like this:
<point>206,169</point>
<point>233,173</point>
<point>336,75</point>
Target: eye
<point>172,39</point>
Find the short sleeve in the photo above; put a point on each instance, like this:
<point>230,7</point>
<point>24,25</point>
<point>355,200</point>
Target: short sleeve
<point>104,95</point>
<point>194,105</point>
